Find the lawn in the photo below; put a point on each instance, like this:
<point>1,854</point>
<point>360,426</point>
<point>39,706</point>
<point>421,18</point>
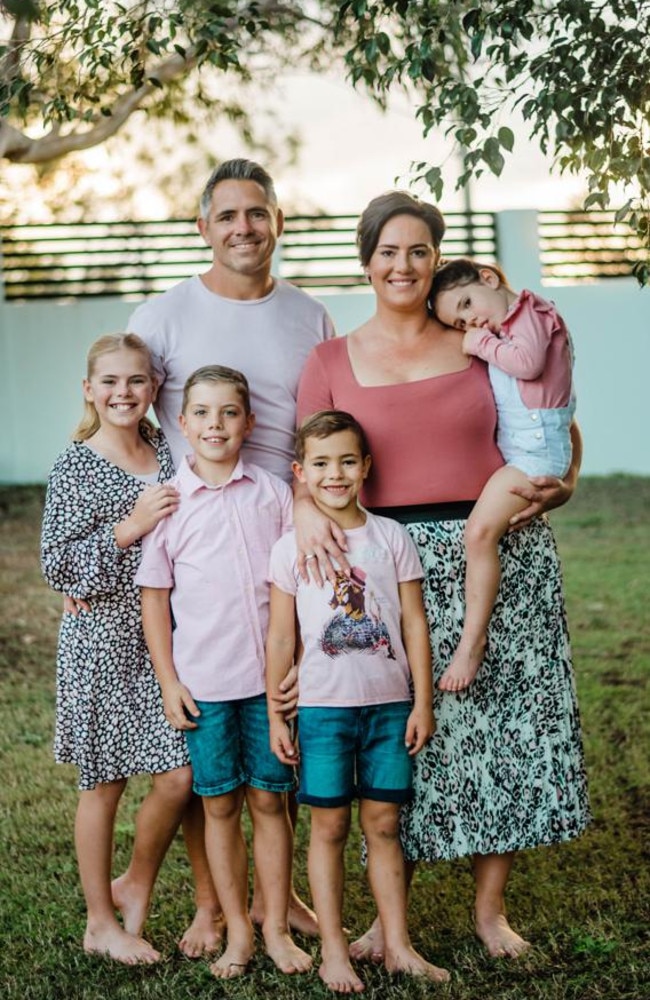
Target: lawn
<point>583,905</point>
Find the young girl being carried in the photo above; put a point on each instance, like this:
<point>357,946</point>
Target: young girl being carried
<point>105,492</point>
<point>530,357</point>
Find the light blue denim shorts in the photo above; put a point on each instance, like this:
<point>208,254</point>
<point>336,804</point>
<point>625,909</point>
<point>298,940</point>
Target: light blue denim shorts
<point>231,747</point>
<point>354,752</point>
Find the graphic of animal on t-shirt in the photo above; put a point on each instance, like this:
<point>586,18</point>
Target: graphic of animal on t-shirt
<point>353,628</point>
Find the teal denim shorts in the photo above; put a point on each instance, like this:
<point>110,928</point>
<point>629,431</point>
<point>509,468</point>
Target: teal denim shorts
<point>231,747</point>
<point>357,752</point>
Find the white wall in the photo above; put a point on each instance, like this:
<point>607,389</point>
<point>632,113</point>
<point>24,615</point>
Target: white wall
<point>43,347</point>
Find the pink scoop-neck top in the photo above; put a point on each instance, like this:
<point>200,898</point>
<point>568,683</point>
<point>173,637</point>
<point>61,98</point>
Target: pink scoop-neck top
<point>432,441</point>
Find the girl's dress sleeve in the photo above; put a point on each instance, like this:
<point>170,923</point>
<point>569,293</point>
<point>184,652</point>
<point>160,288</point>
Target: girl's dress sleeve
<point>79,554</point>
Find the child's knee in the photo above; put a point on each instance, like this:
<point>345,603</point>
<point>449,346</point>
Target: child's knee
<point>330,825</point>
<point>480,535</point>
<point>380,821</point>
<point>265,803</point>
<point>223,808</point>
<point>176,785</point>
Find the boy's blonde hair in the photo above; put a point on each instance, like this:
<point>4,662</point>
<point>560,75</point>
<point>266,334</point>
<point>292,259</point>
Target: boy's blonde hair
<point>218,373</point>
<point>108,344</point>
<point>323,424</point>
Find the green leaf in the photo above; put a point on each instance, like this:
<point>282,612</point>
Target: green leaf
<point>506,137</point>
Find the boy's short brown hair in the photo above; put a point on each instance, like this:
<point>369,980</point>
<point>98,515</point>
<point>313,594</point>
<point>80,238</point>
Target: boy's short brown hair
<point>218,373</point>
<point>323,424</point>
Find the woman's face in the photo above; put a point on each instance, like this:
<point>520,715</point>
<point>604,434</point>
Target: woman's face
<point>403,263</point>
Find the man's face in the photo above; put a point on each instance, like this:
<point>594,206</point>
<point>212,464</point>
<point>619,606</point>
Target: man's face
<point>242,227</point>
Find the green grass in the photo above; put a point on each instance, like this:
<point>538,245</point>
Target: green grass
<point>583,905</point>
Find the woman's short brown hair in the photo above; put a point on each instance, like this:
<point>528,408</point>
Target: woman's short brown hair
<point>385,207</point>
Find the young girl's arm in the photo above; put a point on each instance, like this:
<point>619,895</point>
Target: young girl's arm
<point>82,548</point>
<point>522,353</point>
<point>157,626</point>
<point>415,635</point>
<point>280,646</point>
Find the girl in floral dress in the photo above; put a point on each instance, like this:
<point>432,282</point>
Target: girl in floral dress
<point>106,490</point>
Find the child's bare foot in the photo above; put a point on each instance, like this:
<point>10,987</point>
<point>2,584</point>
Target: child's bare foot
<point>205,933</point>
<point>499,938</point>
<point>338,974</point>
<point>408,961</point>
<point>463,667</point>
<point>370,946</point>
<point>132,902</point>
<point>114,942</point>
<point>234,960</point>
<point>301,918</point>
<point>286,954</point>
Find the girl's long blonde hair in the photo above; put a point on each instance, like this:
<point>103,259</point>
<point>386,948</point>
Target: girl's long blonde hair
<point>89,423</point>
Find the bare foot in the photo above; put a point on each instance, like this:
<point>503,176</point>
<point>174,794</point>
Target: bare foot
<point>408,961</point>
<point>499,938</point>
<point>288,957</point>
<point>132,902</point>
<point>370,946</point>
<point>234,961</point>
<point>116,943</point>
<point>205,933</point>
<point>301,918</point>
<point>338,974</point>
<point>463,667</point>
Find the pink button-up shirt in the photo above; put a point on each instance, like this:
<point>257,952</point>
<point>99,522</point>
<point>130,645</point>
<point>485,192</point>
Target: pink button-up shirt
<point>213,554</point>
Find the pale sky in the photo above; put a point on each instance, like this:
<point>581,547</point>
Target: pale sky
<point>352,151</point>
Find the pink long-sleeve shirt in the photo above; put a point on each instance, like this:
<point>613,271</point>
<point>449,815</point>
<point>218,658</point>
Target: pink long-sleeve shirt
<point>534,346</point>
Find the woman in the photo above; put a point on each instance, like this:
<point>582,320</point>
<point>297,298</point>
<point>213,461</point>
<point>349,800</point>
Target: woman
<point>505,769</point>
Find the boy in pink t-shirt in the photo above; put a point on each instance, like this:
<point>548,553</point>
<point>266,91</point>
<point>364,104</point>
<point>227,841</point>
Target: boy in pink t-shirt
<point>365,640</point>
<point>205,610</point>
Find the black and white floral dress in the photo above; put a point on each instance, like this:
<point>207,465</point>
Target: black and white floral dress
<point>109,715</point>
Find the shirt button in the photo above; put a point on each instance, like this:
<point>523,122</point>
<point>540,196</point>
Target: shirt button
<point>533,416</point>
<point>538,435</point>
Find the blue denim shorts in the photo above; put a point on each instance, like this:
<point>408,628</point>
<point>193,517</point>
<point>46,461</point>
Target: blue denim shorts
<point>231,747</point>
<point>357,752</point>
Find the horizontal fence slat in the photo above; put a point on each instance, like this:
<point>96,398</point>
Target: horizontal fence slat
<point>140,258</point>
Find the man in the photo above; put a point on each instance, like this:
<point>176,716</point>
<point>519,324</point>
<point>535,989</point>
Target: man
<point>238,315</point>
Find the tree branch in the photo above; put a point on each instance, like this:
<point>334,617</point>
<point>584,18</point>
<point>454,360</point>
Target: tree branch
<point>17,147</point>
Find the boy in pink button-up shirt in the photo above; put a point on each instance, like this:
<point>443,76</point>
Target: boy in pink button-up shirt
<point>205,602</point>
<point>528,349</point>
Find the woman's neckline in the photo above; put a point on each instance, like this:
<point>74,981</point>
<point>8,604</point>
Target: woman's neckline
<point>391,385</point>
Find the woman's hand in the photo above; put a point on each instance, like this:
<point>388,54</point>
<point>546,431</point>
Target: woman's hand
<point>544,493</point>
<point>319,541</point>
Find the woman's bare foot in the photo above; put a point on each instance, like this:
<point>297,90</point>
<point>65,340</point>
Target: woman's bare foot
<point>205,934</point>
<point>499,938</point>
<point>407,960</point>
<point>301,918</point>
<point>337,974</point>
<point>463,668</point>
<point>114,942</point>
<point>132,902</point>
<point>370,947</point>
<point>285,953</point>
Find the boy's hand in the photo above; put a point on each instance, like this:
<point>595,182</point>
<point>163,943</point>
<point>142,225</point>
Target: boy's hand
<point>73,605</point>
<point>285,701</point>
<point>178,702</point>
<point>419,728</point>
<point>282,743</point>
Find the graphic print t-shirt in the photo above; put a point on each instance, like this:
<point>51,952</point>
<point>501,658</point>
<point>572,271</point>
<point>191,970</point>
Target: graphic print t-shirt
<point>353,651</point>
